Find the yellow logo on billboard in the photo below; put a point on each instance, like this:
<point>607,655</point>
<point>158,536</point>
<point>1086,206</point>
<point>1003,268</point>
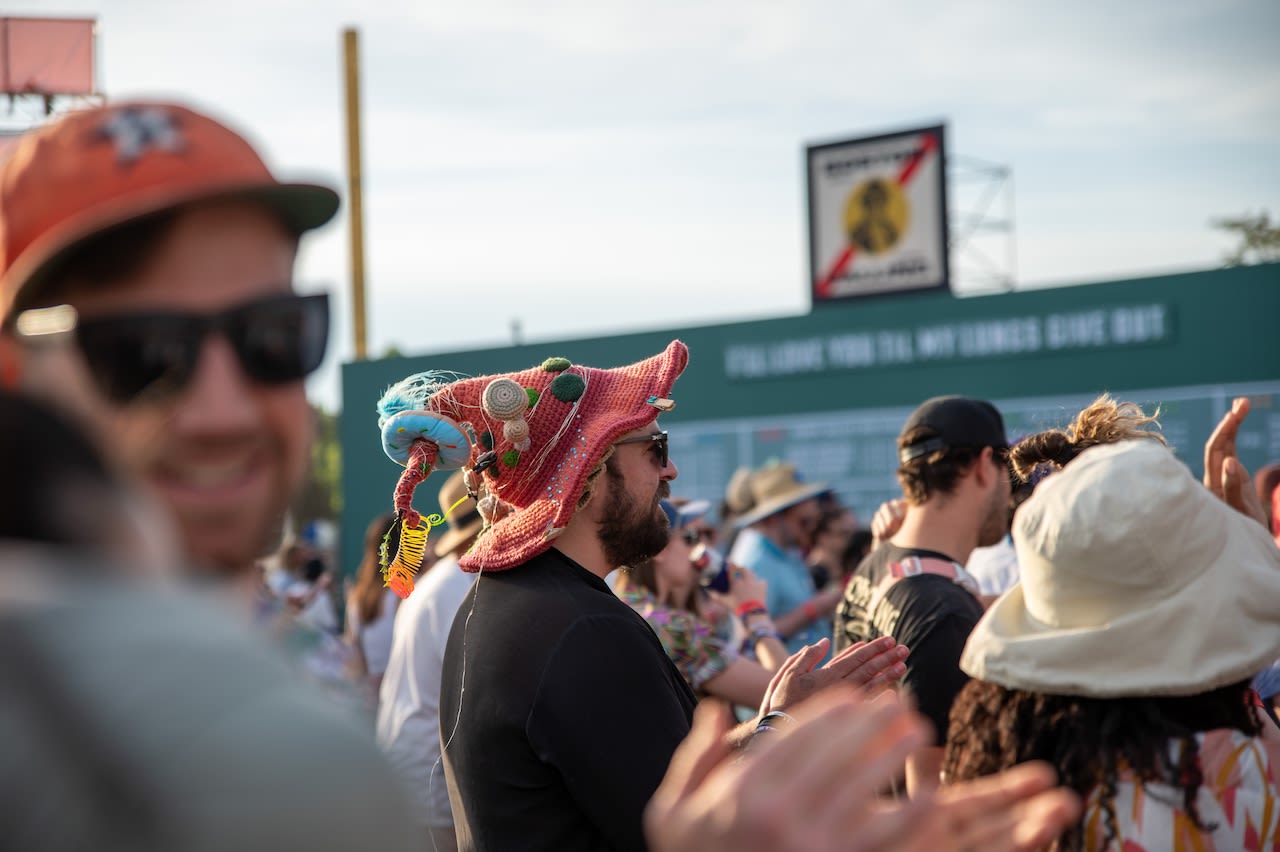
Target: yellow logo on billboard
<point>876,216</point>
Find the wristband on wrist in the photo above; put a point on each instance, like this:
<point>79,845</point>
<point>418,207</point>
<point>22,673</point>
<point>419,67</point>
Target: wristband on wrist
<point>750,608</point>
<point>810,611</point>
<point>761,632</point>
<point>773,721</point>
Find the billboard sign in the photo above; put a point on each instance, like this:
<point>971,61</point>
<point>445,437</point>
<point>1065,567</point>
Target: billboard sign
<point>878,215</point>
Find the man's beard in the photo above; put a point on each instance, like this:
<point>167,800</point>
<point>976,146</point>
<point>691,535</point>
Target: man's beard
<point>630,533</point>
<point>996,523</point>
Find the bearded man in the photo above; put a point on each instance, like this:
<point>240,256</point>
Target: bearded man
<point>559,709</point>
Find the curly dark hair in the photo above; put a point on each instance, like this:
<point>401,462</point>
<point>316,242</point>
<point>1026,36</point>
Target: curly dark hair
<point>1092,741</point>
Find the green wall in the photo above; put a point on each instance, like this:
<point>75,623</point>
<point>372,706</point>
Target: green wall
<point>832,386</point>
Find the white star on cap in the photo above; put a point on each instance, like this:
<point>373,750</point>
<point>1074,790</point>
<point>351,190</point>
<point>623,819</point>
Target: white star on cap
<point>135,129</point>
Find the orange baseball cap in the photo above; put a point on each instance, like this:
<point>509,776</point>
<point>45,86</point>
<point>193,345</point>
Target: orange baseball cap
<point>94,169</point>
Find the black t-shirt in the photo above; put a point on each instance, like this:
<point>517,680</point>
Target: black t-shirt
<point>559,712</point>
<point>930,614</point>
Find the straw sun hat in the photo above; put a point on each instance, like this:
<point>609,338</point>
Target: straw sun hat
<point>776,488</point>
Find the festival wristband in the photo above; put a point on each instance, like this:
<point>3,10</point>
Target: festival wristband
<point>750,608</point>
<point>760,632</point>
<point>770,721</point>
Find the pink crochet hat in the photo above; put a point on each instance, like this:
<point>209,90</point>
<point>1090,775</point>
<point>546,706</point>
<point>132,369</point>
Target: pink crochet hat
<point>530,440</point>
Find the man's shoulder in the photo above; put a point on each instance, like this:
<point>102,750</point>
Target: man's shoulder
<point>944,596</point>
<point>619,657</point>
<point>887,553</point>
<point>910,604</point>
<point>604,634</point>
<point>941,594</point>
<point>525,613</point>
<point>754,550</point>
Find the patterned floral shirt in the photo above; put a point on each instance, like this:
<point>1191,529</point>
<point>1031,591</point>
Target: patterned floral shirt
<point>689,641</point>
<point>1238,800</point>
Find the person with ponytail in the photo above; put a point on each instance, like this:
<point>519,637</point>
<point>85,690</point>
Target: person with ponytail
<point>1103,421</point>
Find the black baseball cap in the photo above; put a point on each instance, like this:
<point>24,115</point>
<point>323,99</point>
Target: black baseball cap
<point>955,421</point>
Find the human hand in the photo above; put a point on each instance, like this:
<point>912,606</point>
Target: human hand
<point>807,788</point>
<point>1017,810</point>
<point>744,586</point>
<point>887,520</point>
<point>1224,475</point>
<point>869,665</point>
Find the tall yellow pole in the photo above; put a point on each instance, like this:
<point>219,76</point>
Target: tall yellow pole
<point>351,59</point>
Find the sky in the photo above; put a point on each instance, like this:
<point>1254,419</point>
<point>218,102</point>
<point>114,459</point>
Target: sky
<point>599,166</point>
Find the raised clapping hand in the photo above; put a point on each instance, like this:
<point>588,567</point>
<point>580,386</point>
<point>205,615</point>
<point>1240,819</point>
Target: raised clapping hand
<point>1224,475</point>
<point>812,787</point>
<point>868,665</point>
<point>887,519</point>
<point>1013,811</point>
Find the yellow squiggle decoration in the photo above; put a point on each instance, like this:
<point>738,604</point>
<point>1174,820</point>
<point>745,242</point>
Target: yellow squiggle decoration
<point>412,550</point>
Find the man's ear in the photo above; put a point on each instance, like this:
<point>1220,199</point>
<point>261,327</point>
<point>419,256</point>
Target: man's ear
<point>983,467</point>
<point>11,354</point>
<point>599,498</point>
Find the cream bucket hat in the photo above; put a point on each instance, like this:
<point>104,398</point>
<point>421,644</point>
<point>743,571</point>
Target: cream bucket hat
<point>1135,581</point>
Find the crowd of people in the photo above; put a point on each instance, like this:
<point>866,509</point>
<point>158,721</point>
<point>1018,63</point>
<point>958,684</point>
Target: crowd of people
<point>1064,641</point>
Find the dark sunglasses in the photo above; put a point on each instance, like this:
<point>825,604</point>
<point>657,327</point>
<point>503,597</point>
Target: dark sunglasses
<point>659,441</point>
<point>277,340</point>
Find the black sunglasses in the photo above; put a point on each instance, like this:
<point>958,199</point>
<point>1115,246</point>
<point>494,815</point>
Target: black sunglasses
<point>277,340</point>
<point>659,441</point>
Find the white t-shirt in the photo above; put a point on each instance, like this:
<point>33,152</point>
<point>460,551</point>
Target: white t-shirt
<point>409,703</point>
<point>375,637</point>
<point>995,567</point>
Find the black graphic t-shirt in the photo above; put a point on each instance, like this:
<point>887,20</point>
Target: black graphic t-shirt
<point>930,614</point>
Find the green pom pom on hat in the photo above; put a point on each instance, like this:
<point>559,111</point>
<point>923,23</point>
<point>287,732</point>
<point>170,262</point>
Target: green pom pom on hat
<point>567,387</point>
<point>556,365</point>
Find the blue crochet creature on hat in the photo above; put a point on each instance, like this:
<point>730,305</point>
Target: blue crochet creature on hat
<point>420,440</point>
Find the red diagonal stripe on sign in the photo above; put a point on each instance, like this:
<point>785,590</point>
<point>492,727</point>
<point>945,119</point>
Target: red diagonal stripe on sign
<point>929,143</point>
